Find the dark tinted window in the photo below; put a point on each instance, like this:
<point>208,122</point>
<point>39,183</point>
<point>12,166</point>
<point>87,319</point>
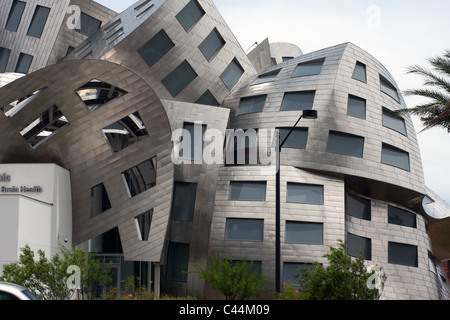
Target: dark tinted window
<point>156,48</point>
<point>24,63</point>
<point>15,15</point>
<point>179,79</point>
<point>88,25</point>
<point>38,22</point>
<point>190,14</point>
<point>403,254</point>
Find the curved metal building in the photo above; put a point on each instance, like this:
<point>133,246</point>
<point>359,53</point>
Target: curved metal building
<point>149,113</point>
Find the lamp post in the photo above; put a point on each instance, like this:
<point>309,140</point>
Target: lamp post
<point>307,114</point>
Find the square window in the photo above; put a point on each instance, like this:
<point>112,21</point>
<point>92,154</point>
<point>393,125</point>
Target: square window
<point>140,178</point>
<point>300,100</point>
<point>212,44</point>
<point>38,21</point>
<point>305,193</point>
<point>356,107</point>
<point>244,230</point>
<point>358,207</point>
<point>232,74</point>
<point>304,232</point>
<point>15,15</point>
<point>190,15</point>
<point>88,25</point>
<point>346,144</point>
<point>309,68</point>
<point>156,48</point>
<point>179,79</point>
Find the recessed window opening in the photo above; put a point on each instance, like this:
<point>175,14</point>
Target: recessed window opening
<point>300,100</point>
<point>24,63</point>
<point>4,57</point>
<point>192,143</point>
<point>96,93</point>
<point>358,207</point>
<point>143,225</point>
<point>356,107</point>
<point>401,217</point>
<point>244,230</point>
<point>141,177</point>
<point>267,77</point>
<point>305,193</point>
<point>357,245</point>
<point>346,144</point>
<point>156,48</point>
<point>251,104</point>
<point>391,121</point>
<point>88,25</point>
<point>395,157</point>
<point>183,203</point>
<point>248,190</point>
<point>360,72</point>
<point>232,74</point>
<point>212,44</point>
<point>179,79</point>
<point>190,15</point>
<point>309,68</point>
<point>99,200</point>
<point>403,254</point>
<point>304,232</point>
<point>15,15</point>
<point>38,21</point>
<point>389,89</point>
<point>14,107</point>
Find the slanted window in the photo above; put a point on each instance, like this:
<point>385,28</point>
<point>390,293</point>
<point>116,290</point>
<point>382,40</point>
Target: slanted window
<point>360,72</point>
<point>24,63</point>
<point>267,77</point>
<point>232,74</point>
<point>13,108</point>
<point>125,132</point>
<point>141,177</point>
<point>192,141</point>
<point>401,217</point>
<point>395,157</point>
<point>44,127</point>
<point>297,139</point>
<point>143,225</point>
<point>300,100</point>
<point>208,99</point>
<point>356,107</point>
<point>248,190</point>
<point>96,93</point>
<point>309,68</point>
<point>179,79</point>
<point>403,254</point>
<point>251,104</point>
<point>183,204</point>
<point>88,25</point>
<point>389,89</point>
<point>190,15</point>
<point>346,144</point>
<point>177,262</point>
<point>358,207</point>
<point>156,48</point>
<point>305,193</point>
<point>99,200</point>
<point>212,44</point>
<point>357,245</point>
<point>304,232</point>
<point>15,15</point>
<point>244,230</point>
<point>38,21</point>
<point>391,121</point>
<point>4,57</point>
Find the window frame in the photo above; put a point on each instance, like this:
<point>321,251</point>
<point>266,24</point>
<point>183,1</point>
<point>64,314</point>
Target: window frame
<point>36,28</point>
<point>241,185</point>
<point>332,148</point>
<point>390,148</point>
<point>320,233</point>
<point>303,105</point>
<point>258,230</point>
<point>12,11</point>
<point>307,198</point>
<point>312,63</point>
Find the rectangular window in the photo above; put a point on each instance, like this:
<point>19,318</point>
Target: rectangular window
<point>357,245</point>
<point>88,25</point>
<point>267,77</point>
<point>291,270</point>
<point>358,207</point>
<point>179,79</point>
<point>395,157</point>
<point>346,144</point>
<point>143,225</point>
<point>389,89</point>
<point>247,190</point>
<point>140,178</point>
<point>100,200</point>
<point>183,204</point>
<point>244,230</point>
<point>305,193</point>
<point>177,262</point>
<point>403,254</point>
<point>297,139</point>
<point>212,44</point>
<point>251,104</point>
<point>309,68</point>
<point>15,15</point>
<point>24,63</point>
<point>190,15</point>
<point>192,142</point>
<point>391,121</point>
<point>38,21</point>
<point>356,107</point>
<point>360,72</point>
<point>402,217</point>
<point>304,232</point>
<point>300,100</point>
<point>232,74</point>
<point>4,57</point>
<point>156,48</point>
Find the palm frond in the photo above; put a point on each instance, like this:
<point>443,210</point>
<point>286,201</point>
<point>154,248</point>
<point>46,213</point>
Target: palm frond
<point>431,79</point>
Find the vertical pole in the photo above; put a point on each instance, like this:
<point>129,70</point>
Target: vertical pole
<point>277,220</point>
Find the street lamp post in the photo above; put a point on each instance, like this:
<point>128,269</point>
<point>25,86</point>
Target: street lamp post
<point>307,114</point>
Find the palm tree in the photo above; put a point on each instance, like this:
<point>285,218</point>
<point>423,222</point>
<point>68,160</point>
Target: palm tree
<point>436,112</point>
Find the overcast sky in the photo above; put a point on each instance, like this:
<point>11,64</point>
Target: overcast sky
<point>396,32</point>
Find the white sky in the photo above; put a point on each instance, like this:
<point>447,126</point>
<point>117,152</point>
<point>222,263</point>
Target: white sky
<point>396,32</point>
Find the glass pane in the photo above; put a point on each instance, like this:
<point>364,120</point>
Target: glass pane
<point>248,191</point>
<point>232,74</point>
<point>100,200</point>
<point>358,207</point>
<point>244,230</point>
<point>4,57</point>
<point>88,25</point>
<point>267,77</point>
<point>389,89</point>
<point>393,122</point>
<point>192,142</point>
<point>395,157</point>
<point>15,15</point>
<point>309,68</point>
<point>14,107</point>
<point>304,232</point>
<point>156,48</point>
<point>140,178</point>
<point>402,217</point>
<point>177,262</point>
<point>251,104</point>
<point>179,79</point>
<point>356,107</point>
<point>212,44</point>
<point>184,201</point>
<point>301,100</point>
<point>208,99</point>
<point>360,72</point>
<point>305,193</point>
<point>96,94</point>
<point>144,222</point>
<point>38,22</point>
<point>297,139</point>
<point>190,14</point>
<point>357,245</point>
<point>24,63</point>
<point>347,144</point>
<point>403,254</point>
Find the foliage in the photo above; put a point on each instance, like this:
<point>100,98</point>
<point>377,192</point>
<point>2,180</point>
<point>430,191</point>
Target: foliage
<point>436,111</point>
<point>344,279</point>
<point>48,278</point>
<point>236,280</point>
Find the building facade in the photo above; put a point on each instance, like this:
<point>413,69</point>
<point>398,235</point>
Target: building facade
<point>166,126</point>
